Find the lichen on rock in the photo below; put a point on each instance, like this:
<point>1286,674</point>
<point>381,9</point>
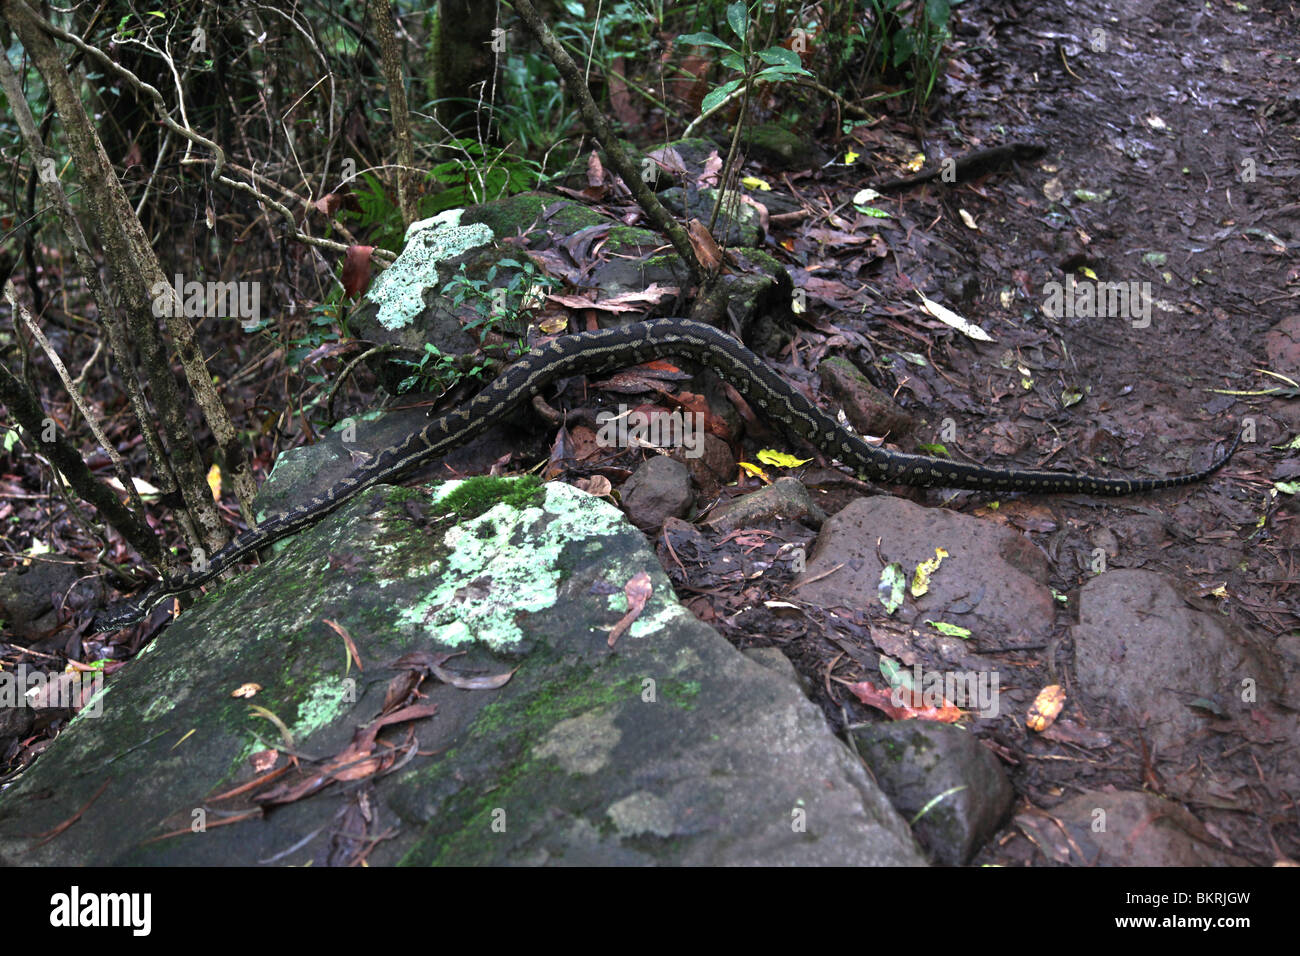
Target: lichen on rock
<point>399,291</point>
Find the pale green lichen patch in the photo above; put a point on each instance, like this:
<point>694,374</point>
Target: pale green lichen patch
<point>325,703</point>
<point>652,621</point>
<point>583,744</point>
<point>399,291</point>
<point>503,562</point>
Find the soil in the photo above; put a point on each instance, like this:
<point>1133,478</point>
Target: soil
<point>1172,159</point>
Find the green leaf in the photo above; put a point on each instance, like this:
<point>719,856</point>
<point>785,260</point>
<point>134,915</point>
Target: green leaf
<point>904,46</point>
<point>738,19</point>
<point>774,73</point>
<point>705,39</point>
<point>734,61</point>
<point>936,11</point>
<point>778,56</point>
<point>717,96</point>
<point>894,675</point>
<point>890,587</point>
<point>950,630</point>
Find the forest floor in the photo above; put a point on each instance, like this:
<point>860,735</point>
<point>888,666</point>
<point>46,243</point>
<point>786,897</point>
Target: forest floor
<point>1172,159</point>
<point>1172,140</point>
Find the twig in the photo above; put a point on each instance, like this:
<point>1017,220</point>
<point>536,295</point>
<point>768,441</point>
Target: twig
<point>11,296</point>
<point>347,370</point>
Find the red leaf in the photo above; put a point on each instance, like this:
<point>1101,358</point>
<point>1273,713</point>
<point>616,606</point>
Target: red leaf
<point>637,591</point>
<point>329,204</point>
<point>897,705</point>
<point>356,270</point>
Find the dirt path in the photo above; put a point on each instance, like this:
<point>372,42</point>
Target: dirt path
<point>1168,187</point>
<point>1182,124</point>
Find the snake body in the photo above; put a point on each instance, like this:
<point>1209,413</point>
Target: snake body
<point>607,350</point>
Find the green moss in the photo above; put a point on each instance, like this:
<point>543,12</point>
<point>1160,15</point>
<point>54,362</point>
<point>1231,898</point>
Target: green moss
<point>476,495</point>
<point>552,702</point>
<point>399,496</point>
<point>513,727</point>
<point>763,261</point>
<point>628,239</point>
<point>680,693</point>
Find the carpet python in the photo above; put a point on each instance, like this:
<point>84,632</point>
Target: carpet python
<point>607,350</point>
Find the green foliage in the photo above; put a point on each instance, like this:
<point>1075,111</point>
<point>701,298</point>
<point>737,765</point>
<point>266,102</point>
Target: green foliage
<point>379,218</point>
<point>532,114</point>
<point>909,36</point>
<point>480,174</point>
<point>780,64</point>
<point>497,308</point>
<point>322,321</point>
<point>436,371</point>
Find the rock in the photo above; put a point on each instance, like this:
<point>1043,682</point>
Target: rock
<point>711,469</point>
<point>779,145</point>
<point>868,409</point>
<point>738,222</point>
<point>993,581</point>
<point>1123,828</point>
<point>659,489</point>
<point>775,660</point>
<point>917,761</point>
<point>784,498</point>
<point>28,595</point>
<point>671,748</point>
<point>1141,648</point>
<point>15,723</point>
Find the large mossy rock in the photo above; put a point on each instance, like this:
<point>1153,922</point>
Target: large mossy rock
<point>670,747</point>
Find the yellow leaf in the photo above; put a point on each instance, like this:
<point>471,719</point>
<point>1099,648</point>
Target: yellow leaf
<point>755,471</point>
<point>924,570</point>
<point>753,182</point>
<point>780,459</point>
<point>915,163</point>
<point>1088,272</point>
<point>851,157</point>
<point>1046,706</point>
<point>214,482</point>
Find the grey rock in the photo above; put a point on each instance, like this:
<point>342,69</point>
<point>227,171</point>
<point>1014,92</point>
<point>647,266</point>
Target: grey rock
<point>659,489</point>
<point>669,748</point>
<point>784,498</point>
<point>923,765</point>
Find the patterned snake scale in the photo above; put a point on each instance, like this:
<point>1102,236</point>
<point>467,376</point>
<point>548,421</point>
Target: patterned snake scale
<point>607,350</point>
